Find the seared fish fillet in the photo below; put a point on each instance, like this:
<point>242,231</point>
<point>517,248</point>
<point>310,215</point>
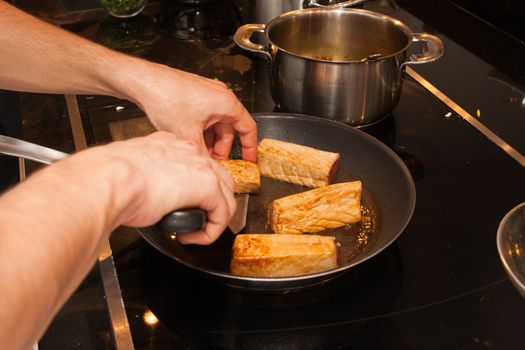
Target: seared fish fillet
<point>297,164</point>
<point>318,209</point>
<point>271,255</point>
<point>246,176</point>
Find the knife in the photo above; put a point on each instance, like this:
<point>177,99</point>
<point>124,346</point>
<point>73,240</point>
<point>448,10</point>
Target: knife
<point>191,220</point>
<point>182,220</point>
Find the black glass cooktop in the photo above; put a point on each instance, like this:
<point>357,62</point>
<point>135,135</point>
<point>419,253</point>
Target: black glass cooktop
<point>441,285</point>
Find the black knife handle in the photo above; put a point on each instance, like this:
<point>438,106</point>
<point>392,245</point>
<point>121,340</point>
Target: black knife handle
<point>183,220</point>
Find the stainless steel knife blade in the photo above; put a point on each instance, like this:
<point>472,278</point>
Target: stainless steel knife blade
<point>238,221</point>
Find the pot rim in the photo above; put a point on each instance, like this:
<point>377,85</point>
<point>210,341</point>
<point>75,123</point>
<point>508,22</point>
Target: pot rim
<point>283,17</point>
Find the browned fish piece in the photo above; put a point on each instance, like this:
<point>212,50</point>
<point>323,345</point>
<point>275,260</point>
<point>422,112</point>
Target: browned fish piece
<point>297,164</point>
<point>271,255</point>
<point>318,209</point>
<point>246,176</point>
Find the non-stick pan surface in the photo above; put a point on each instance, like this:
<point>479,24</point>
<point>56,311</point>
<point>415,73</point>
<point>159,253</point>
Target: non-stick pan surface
<point>388,201</point>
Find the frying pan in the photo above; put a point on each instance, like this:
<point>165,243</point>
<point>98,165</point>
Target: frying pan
<point>388,201</point>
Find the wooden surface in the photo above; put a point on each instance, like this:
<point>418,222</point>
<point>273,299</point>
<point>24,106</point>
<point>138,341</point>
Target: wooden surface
<point>129,128</point>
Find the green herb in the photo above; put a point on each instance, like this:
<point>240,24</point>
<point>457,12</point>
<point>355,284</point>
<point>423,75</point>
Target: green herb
<point>128,34</point>
<point>123,7</point>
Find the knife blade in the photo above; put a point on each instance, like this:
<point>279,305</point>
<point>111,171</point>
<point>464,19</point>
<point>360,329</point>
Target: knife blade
<point>238,221</point>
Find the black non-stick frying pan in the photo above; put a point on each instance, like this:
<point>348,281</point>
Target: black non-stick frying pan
<point>388,201</point>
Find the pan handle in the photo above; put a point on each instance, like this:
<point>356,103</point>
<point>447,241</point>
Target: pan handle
<point>183,221</point>
<point>180,221</point>
<point>243,37</point>
<point>314,3</point>
<point>433,49</point>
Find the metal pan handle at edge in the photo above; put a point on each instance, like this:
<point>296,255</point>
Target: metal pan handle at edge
<point>314,3</point>
<point>180,221</point>
<point>434,49</point>
<point>243,35</point>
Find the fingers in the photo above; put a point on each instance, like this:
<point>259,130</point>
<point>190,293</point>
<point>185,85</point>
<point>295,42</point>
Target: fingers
<point>245,125</point>
<point>202,139</point>
<point>209,139</point>
<point>169,174</point>
<point>223,140</point>
<point>226,183</point>
<point>221,209</point>
<point>219,216</point>
<point>241,121</point>
<point>203,104</point>
<point>249,147</point>
<point>234,118</point>
<point>216,223</point>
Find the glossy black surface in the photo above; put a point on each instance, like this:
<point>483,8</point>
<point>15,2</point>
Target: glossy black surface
<point>440,286</point>
<point>504,15</point>
<point>83,322</point>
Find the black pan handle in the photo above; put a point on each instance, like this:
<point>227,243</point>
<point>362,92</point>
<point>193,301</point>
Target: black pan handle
<point>183,221</point>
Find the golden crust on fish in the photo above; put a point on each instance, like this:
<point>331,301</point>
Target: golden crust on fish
<point>318,209</point>
<point>295,163</point>
<point>246,176</point>
<point>271,255</point>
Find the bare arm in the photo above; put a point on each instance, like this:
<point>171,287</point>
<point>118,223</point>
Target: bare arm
<point>39,57</point>
<point>52,226</point>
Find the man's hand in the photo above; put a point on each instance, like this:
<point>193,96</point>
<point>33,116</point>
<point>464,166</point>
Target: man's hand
<point>165,174</point>
<point>182,103</point>
<point>54,223</point>
<point>189,105</point>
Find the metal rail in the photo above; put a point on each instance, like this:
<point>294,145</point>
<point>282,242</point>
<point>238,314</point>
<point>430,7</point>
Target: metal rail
<point>115,303</point>
<point>468,117</point>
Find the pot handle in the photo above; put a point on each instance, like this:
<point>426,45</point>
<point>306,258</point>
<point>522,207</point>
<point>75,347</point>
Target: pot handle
<point>314,3</point>
<point>243,35</point>
<point>434,49</point>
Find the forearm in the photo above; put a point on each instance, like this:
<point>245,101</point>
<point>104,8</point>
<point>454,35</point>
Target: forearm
<point>52,226</point>
<point>50,234</point>
<point>39,57</point>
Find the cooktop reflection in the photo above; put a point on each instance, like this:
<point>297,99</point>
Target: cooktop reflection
<point>197,307</point>
<point>187,20</point>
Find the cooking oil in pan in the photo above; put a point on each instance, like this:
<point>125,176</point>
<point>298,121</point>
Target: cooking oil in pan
<point>354,240</point>
<point>357,238</point>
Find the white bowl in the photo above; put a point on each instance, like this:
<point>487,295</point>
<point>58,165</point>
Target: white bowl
<point>511,246</point>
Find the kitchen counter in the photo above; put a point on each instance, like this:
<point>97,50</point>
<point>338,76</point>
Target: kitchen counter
<point>458,127</point>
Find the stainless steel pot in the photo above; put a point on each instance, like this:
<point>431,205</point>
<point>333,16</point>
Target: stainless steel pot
<point>266,10</point>
<point>338,63</point>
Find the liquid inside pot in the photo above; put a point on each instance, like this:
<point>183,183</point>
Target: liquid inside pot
<point>339,36</point>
